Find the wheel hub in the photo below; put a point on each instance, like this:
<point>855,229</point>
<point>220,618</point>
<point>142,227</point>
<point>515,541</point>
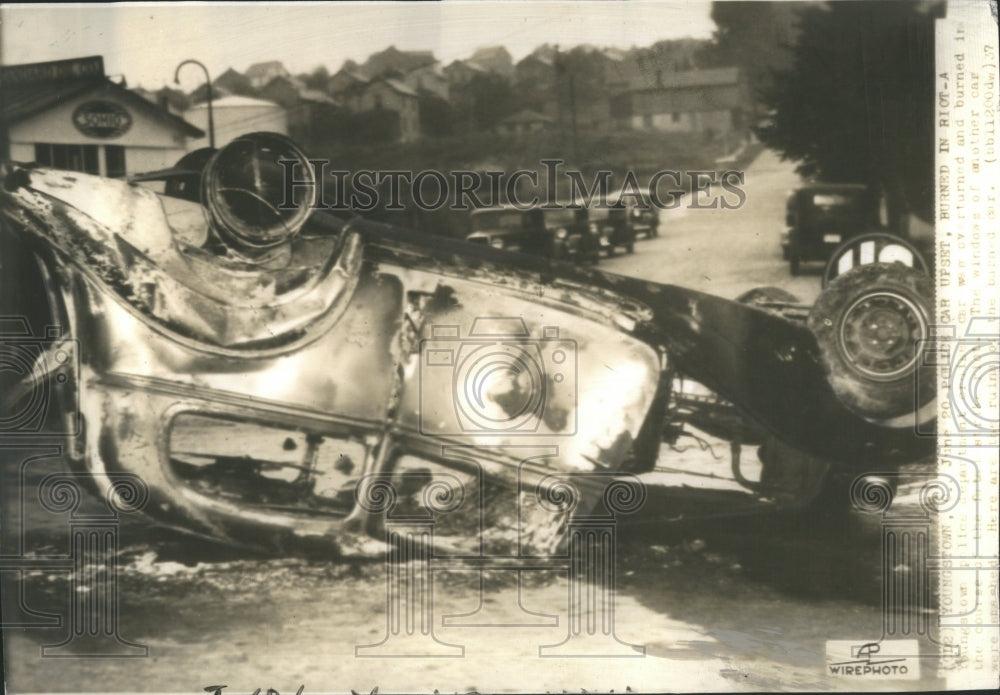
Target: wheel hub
<point>879,335</point>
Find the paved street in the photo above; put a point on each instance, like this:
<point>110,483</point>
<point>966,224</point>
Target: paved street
<point>726,252</point>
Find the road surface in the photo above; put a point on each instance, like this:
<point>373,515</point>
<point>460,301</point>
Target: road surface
<point>726,251</point>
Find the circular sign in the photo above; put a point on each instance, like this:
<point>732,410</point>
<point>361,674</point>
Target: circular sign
<point>102,119</point>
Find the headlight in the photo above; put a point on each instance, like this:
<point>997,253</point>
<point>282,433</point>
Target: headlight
<point>561,233</point>
<point>243,188</point>
<point>593,228</point>
<point>496,243</point>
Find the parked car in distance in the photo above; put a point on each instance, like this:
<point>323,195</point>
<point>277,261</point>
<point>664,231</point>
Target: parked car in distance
<point>576,236</point>
<point>644,215</point>
<point>513,229</point>
<point>563,233</point>
<point>820,217</point>
<point>613,226</point>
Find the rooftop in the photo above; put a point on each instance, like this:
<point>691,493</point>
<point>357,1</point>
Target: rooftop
<point>21,101</point>
<point>694,78</point>
<point>233,101</point>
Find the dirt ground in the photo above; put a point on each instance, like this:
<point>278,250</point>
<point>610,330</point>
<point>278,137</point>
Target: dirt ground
<point>731,605</point>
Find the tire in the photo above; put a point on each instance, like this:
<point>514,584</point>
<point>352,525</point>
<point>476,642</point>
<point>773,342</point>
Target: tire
<point>872,325</point>
<point>793,262</point>
<point>877,246</point>
<point>630,247</point>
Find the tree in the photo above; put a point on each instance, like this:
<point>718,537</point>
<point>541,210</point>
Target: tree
<point>317,79</point>
<point>756,36</point>
<point>436,116</point>
<point>485,100</point>
<point>857,102</point>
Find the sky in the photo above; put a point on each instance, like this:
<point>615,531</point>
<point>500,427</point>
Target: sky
<point>146,42</point>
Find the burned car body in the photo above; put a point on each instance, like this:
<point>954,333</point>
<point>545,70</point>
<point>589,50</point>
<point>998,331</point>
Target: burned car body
<point>191,326</point>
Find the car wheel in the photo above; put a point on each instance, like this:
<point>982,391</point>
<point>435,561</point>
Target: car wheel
<point>872,325</point>
<point>877,247</point>
<point>630,248</point>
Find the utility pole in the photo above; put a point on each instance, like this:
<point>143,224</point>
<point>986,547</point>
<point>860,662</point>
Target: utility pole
<point>572,112</point>
<point>564,71</point>
<point>558,69</point>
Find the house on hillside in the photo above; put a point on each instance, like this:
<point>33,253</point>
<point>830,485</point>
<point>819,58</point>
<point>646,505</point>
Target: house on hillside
<point>641,67</point>
<point>694,101</point>
<point>535,70</point>
<point>346,80</point>
<point>524,121</point>
<point>396,62</point>
<point>494,59</point>
<point>394,96</point>
<point>173,100</point>
<point>429,79</point>
<point>305,108</point>
<point>200,93</point>
<point>260,74</point>
<point>233,82</point>
<point>460,72</point>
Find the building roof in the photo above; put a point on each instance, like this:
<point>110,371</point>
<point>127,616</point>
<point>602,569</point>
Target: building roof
<point>528,116</point>
<point>264,67</point>
<point>397,86</point>
<point>354,73</point>
<point>233,101</point>
<point>393,59</point>
<point>434,68</point>
<point>177,100</point>
<point>317,96</point>
<point>695,78</point>
<point>490,52</point>
<point>471,64</point>
<point>22,101</point>
<point>537,58</point>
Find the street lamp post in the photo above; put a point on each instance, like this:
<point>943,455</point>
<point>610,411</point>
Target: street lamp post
<point>208,83</point>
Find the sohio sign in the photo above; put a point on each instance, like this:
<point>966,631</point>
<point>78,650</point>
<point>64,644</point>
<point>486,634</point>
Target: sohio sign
<point>102,119</point>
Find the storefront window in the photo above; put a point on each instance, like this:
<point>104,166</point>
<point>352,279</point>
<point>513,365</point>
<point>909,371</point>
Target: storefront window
<point>70,157</point>
<point>114,157</point>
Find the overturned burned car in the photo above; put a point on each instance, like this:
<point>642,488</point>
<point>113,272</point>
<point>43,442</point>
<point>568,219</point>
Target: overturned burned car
<point>264,368</point>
